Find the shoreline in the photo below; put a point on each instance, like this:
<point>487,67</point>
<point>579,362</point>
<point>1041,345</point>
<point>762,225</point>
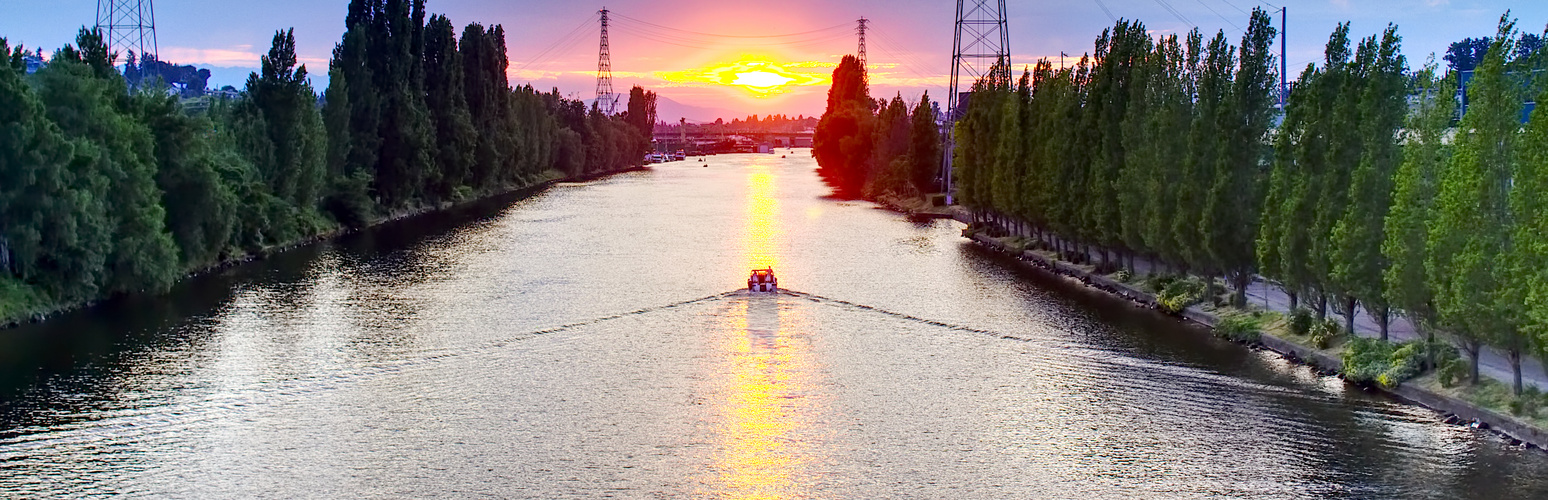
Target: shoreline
<point>509,191</point>
<point>1452,410</point>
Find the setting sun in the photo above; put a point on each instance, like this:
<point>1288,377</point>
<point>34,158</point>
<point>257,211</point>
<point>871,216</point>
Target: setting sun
<point>761,78</point>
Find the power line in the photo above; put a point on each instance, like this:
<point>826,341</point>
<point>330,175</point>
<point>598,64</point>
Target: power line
<point>716,35</point>
<point>1176,14</point>
<point>573,36</point>
<point>709,41</point>
<point>1110,15</point>
<point>1238,9</point>
<point>1217,14</point>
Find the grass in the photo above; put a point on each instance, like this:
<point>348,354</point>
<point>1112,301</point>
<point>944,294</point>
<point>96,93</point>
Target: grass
<point>1493,395</point>
<point>19,300</point>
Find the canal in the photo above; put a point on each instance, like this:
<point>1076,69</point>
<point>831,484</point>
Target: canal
<point>591,341</point>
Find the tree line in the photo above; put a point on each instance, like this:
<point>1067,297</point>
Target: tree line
<point>869,147</point>
<point>107,189</point>
<point>1371,193</point>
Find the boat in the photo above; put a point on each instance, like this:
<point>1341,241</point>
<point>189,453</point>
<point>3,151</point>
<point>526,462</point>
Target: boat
<point>762,280</point>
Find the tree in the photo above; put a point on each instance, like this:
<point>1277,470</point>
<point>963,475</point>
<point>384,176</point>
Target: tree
<point>1465,54</point>
<point>54,231</point>
<point>455,138</point>
<point>843,140</point>
<point>89,100</point>
<point>288,148</point>
<point>1231,210</point>
<point>1358,264</point>
<point>200,208</point>
<point>642,116</point>
<point>1413,199</point>
<point>1469,237</point>
<point>924,146</point>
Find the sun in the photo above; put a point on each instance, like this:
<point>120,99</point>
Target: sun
<point>759,77</point>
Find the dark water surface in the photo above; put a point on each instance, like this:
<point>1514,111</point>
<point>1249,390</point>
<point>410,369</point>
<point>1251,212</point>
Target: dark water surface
<point>589,341</point>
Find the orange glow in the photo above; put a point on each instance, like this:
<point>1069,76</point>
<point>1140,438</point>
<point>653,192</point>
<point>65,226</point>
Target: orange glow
<point>762,209</point>
<point>759,77</point>
<point>761,453</point>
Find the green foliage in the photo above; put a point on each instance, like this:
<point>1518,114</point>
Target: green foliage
<point>1179,294</point>
<point>1374,361</point>
<point>1451,370</point>
<point>1470,232</point>
<point>1240,327</point>
<point>1325,333</point>
<point>1407,221</point>
<point>104,190</point>
<point>1301,321</point>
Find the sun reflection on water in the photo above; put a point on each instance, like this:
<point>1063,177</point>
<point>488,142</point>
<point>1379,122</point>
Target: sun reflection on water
<point>761,234</point>
<point>760,452</point>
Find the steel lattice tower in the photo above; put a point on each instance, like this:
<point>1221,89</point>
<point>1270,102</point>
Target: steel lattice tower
<point>861,30</point>
<point>981,49</point>
<point>605,98</point>
<point>127,25</point>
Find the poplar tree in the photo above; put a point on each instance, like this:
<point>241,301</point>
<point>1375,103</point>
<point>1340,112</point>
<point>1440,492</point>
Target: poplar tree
<point>1235,197</point>
<point>1413,200</point>
<point>1469,238</point>
<point>455,138</point>
<point>924,146</point>
<point>1358,264</point>
<point>843,140</point>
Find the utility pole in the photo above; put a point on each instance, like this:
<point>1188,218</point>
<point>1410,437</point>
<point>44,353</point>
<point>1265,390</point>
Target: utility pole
<point>861,30</point>
<point>1284,87</point>
<point>128,25</point>
<point>605,98</point>
<point>980,49</point>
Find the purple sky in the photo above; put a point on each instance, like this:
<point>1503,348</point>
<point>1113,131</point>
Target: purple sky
<point>909,48</point>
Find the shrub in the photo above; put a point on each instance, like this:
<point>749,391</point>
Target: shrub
<point>1239,328</point>
<point>1180,294</point>
<point>1450,371</point>
<point>1301,321</point>
<point>1527,403</point>
<point>1368,361</point>
<point>1123,275</point>
<point>1155,283</point>
<point>1325,333</point>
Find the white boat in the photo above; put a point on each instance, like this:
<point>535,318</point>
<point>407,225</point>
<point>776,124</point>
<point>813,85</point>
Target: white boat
<point>762,280</point>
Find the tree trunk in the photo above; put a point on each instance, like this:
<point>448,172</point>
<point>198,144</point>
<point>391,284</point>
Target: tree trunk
<point>1295,300</point>
<point>1349,314</point>
<point>1471,348</point>
<point>1322,307</point>
<point>1384,320</point>
<point>1514,354</point>
<point>1241,280</point>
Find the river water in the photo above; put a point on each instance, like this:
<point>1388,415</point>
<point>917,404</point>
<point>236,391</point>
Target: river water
<point>591,340</point>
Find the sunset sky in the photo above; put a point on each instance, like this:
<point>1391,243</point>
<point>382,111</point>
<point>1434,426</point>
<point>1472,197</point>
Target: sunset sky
<point>909,45</point>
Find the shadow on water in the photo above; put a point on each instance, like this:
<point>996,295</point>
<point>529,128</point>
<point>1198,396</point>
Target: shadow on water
<point>72,362</point>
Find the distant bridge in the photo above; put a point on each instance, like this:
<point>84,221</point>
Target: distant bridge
<point>730,141</point>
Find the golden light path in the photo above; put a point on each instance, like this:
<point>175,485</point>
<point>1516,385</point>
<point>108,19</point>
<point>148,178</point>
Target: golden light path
<point>759,76</point>
<point>759,453</point>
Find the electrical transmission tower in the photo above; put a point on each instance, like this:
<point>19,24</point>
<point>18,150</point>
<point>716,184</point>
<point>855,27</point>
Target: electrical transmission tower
<point>981,50</point>
<point>128,25</point>
<point>605,98</point>
<point>861,30</point>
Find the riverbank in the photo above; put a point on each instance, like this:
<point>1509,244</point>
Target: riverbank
<point>34,310</point>
<point>1480,405</point>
